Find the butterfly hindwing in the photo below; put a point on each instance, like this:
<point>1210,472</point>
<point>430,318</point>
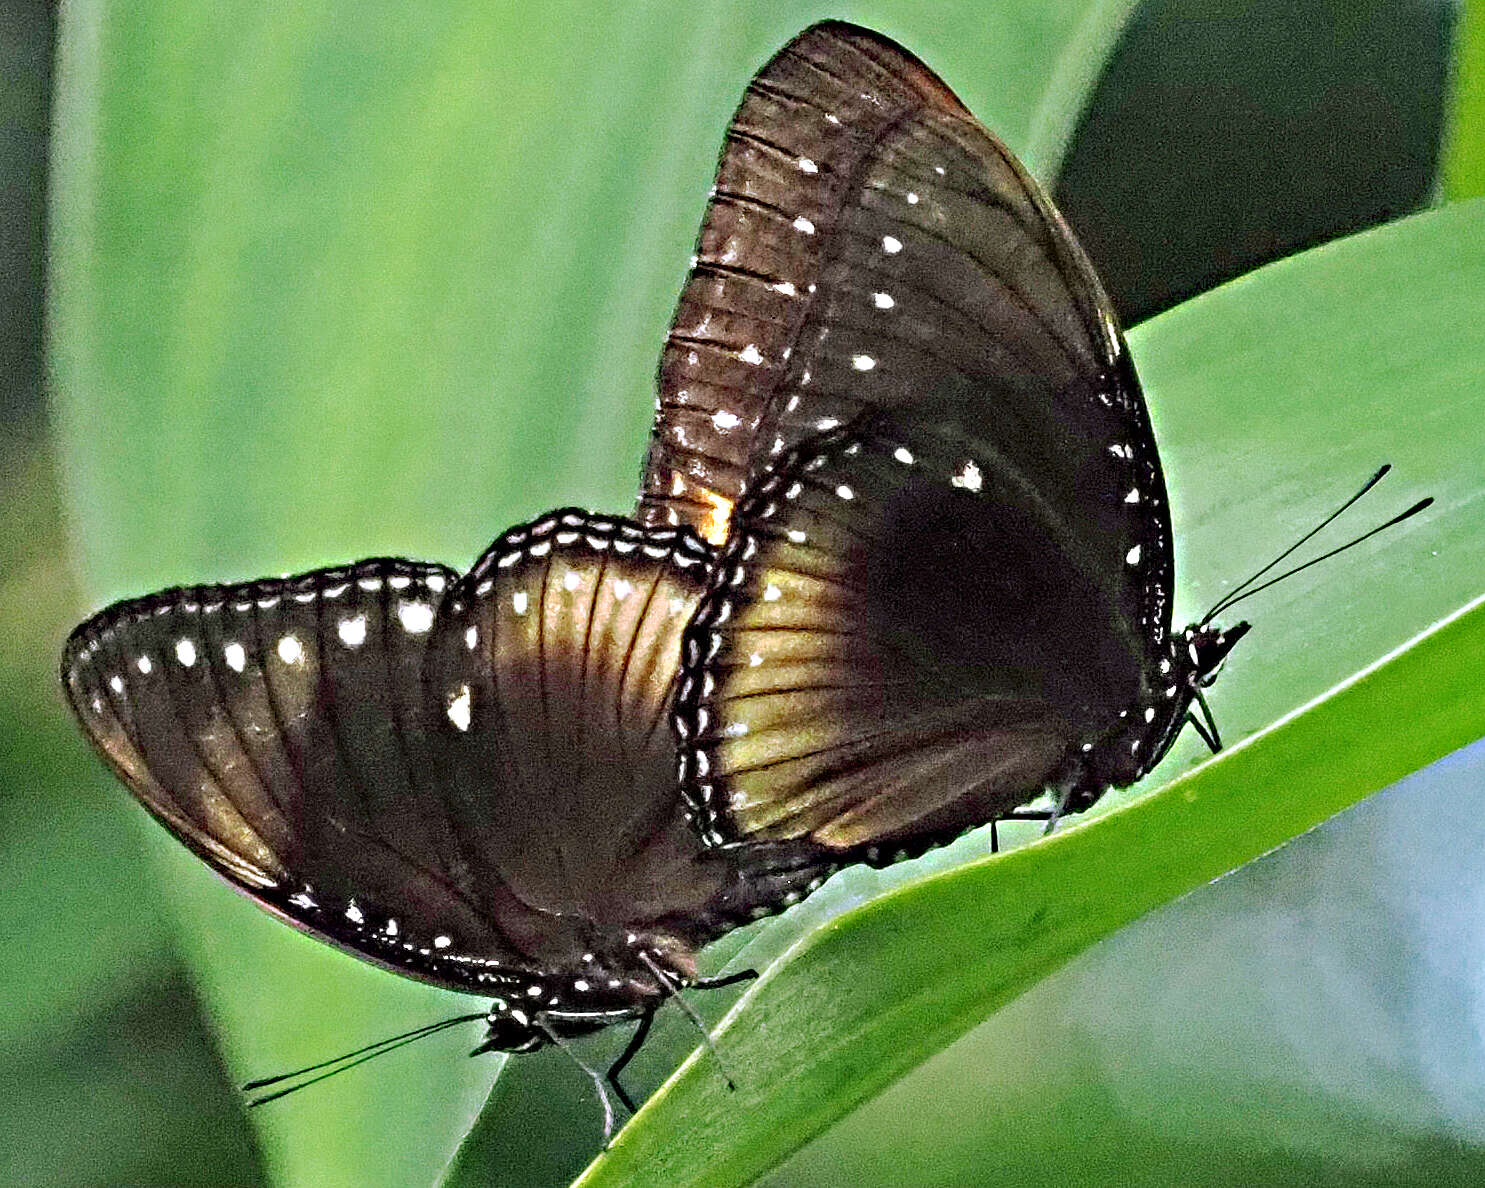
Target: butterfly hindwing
<point>898,644</point>
<point>557,665</point>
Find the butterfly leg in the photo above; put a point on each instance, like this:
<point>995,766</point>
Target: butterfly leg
<point>636,1041</point>
<point>1014,815</point>
<point>598,1079</point>
<point>1064,795</point>
<point>1207,730</point>
<point>732,979</point>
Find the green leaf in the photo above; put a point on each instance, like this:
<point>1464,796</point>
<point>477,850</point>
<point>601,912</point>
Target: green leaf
<point>1273,397</point>
<point>1222,136</point>
<point>102,1040</point>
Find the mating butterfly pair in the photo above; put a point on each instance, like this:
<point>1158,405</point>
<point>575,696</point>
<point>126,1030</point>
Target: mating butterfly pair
<point>902,560</point>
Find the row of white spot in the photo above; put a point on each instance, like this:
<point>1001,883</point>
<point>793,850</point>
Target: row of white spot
<point>416,618</point>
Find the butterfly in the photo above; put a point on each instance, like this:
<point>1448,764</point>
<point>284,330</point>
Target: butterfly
<point>901,559</point>
<point>874,674</point>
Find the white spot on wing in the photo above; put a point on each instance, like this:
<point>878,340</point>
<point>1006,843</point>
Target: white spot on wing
<point>236,656</point>
<point>786,288</point>
<point>845,492</point>
<point>968,476</point>
<point>772,593</point>
<point>459,707</point>
<point>863,362</point>
<point>290,650</point>
<point>116,683</point>
<point>804,225</point>
<point>417,617</point>
<point>883,300</point>
<point>725,420</point>
<point>751,354</point>
<point>891,244</point>
<point>144,664</point>
<point>352,631</point>
<point>571,580</point>
<point>519,602</point>
<point>807,166</point>
<point>185,652</point>
<point>1133,556</point>
<point>903,455</point>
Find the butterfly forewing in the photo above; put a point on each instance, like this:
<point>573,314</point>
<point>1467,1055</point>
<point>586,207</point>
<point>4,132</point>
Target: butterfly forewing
<point>898,644</point>
<point>870,245</point>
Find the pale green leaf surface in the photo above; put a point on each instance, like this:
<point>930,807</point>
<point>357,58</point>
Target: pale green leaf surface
<point>1464,150</point>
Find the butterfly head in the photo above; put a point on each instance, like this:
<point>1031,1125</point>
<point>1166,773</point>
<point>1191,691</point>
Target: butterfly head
<point>1196,658</point>
<point>1147,732</point>
<point>1203,650</point>
<point>511,1028</point>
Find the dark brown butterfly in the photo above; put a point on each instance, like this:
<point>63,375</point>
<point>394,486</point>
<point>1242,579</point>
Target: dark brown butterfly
<point>965,631</point>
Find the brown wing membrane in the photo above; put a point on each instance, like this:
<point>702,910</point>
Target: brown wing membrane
<point>870,245</point>
<point>279,729</point>
<point>557,668</point>
<point>462,779</point>
<point>897,645</point>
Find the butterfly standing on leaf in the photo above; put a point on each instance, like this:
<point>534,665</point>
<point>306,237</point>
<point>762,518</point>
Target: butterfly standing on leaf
<point>895,392</point>
<point>934,652</point>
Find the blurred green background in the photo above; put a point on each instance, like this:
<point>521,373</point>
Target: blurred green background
<point>334,280</point>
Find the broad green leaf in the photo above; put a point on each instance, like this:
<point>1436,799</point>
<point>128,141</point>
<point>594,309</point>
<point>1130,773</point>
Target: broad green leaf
<point>1272,397</point>
<point>336,280</point>
<point>104,1041</point>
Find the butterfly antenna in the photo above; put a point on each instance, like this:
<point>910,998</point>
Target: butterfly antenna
<point>674,992</point>
<point>349,1060</point>
<point>1232,600</point>
<point>1237,592</point>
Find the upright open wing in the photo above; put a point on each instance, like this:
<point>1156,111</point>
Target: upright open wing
<point>870,246</point>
